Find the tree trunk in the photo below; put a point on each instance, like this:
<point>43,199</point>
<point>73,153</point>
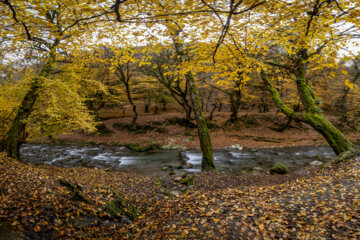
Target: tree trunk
<point>313,115</point>
<point>148,102</point>
<point>164,107</point>
<point>16,135</point>
<point>220,106</point>
<point>188,110</point>
<point>235,102</point>
<point>207,162</point>
<point>333,136</point>
<point>215,106</point>
<point>156,109</point>
<point>133,123</point>
<point>146,109</point>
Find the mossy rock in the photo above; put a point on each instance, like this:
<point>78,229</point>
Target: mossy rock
<point>76,190</point>
<point>279,168</point>
<point>121,208</point>
<point>138,148</point>
<point>187,181</point>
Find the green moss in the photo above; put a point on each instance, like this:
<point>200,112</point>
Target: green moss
<point>76,190</point>
<point>187,181</point>
<point>279,168</point>
<point>120,207</point>
<point>138,148</point>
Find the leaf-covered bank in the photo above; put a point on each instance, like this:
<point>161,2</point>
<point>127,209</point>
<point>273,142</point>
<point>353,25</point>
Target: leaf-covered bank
<point>38,202</point>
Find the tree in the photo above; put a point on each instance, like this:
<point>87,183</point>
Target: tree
<point>313,36</point>
<point>163,67</point>
<point>44,30</point>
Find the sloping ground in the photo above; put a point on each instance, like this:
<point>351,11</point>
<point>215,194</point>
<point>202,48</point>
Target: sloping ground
<point>325,206</point>
<point>321,205</point>
<point>33,201</point>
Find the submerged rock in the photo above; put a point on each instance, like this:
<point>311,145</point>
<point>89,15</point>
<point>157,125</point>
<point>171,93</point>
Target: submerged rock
<point>279,168</point>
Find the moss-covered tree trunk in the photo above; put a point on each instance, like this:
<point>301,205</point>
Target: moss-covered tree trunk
<point>313,115</point>
<point>207,162</point>
<point>16,135</point>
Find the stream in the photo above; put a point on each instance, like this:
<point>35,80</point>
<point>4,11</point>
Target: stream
<point>150,163</point>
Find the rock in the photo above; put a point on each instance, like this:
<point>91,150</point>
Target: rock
<point>315,163</point>
<point>190,165</point>
<point>165,169</point>
<point>175,193</point>
<point>178,179</point>
<point>259,169</point>
<point>172,146</point>
<point>241,172</point>
<point>187,181</point>
<point>279,168</point>
<point>344,156</point>
<point>236,146</point>
<point>184,175</point>
<point>253,150</point>
<point>172,173</point>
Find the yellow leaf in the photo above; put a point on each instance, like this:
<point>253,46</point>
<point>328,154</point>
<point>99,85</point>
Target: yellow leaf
<point>37,228</point>
<point>261,226</point>
<point>349,84</point>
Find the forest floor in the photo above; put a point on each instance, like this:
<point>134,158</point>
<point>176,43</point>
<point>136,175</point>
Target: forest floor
<point>37,202</point>
<point>253,130</point>
<point>46,202</point>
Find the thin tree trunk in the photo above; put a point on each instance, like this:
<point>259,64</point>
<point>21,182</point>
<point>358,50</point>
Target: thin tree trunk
<point>133,123</point>
<point>148,101</point>
<point>215,106</point>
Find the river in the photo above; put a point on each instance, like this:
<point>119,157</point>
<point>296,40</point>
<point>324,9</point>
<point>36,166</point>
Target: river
<point>119,158</point>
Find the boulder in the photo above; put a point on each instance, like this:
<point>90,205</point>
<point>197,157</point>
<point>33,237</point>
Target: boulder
<point>315,163</point>
<point>178,179</point>
<point>259,169</point>
<point>237,146</point>
<point>279,168</point>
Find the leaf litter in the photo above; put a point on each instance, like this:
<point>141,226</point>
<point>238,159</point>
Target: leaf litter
<point>324,204</point>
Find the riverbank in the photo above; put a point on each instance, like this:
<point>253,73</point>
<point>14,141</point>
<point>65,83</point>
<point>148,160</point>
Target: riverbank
<point>319,203</point>
<point>252,130</point>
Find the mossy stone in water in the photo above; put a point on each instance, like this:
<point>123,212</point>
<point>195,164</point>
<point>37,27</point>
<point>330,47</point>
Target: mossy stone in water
<point>279,168</point>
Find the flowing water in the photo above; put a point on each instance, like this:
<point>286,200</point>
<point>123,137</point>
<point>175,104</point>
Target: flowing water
<point>119,158</point>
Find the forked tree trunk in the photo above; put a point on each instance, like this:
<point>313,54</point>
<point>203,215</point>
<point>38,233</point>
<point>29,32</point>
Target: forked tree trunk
<point>207,162</point>
<point>16,135</point>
